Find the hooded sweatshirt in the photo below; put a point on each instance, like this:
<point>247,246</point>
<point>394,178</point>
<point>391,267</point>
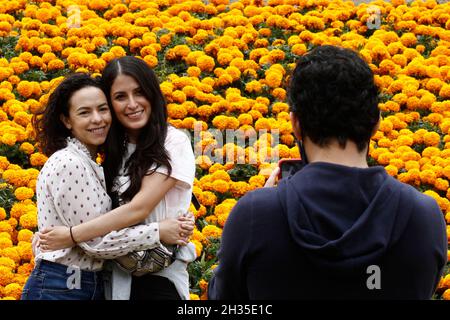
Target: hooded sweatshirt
<point>332,232</point>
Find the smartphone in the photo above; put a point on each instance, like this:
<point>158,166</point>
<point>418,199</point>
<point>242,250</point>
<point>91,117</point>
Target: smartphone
<point>288,167</point>
<point>195,202</point>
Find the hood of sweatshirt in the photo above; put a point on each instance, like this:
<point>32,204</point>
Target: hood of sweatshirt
<point>343,218</point>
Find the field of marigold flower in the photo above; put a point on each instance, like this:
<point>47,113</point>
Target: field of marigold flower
<point>222,66</point>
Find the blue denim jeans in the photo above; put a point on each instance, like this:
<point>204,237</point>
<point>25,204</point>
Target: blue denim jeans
<point>54,281</point>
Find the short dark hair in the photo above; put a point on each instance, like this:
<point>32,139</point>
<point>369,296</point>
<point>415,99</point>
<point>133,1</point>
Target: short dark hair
<point>333,94</point>
<point>51,133</point>
<point>150,149</point>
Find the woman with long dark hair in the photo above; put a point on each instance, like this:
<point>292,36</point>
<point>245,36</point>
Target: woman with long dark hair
<point>71,189</point>
<point>149,168</point>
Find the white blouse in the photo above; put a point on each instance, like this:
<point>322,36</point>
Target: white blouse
<point>71,189</point>
<point>175,202</point>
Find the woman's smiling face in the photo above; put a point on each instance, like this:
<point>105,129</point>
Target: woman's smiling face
<point>89,117</point>
<point>130,105</point>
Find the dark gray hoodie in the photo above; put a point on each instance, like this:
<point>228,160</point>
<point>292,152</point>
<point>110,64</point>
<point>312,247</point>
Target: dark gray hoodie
<point>332,232</point>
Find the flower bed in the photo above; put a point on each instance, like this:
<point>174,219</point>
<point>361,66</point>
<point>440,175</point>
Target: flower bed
<point>223,66</point>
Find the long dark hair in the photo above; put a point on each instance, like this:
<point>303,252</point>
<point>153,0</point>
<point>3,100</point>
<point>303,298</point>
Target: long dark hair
<point>51,133</point>
<point>150,148</point>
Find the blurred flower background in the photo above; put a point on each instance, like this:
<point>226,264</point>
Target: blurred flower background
<point>223,65</point>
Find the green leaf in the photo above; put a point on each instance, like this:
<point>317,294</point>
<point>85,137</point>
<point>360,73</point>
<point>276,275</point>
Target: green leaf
<point>242,172</point>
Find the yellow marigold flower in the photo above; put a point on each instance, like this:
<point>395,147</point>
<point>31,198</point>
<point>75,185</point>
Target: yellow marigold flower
<point>9,139</point>
<point>253,86</point>
<point>25,235</point>
<point>198,247</point>
<point>25,251</point>
<point>208,198</point>
<point>55,64</point>
<point>445,91</point>
<point>27,147</point>
<point>205,63</point>
<point>221,175</point>
<point>428,177</point>
<point>2,214</point>
<point>273,79</point>
<point>441,184</point>
<point>193,296</point>
<point>118,51</point>
<point>245,119</point>
<point>392,170</point>
<point>279,93</point>
<point>29,221</point>
<point>194,71</point>
<point>220,186</point>
<point>13,290</point>
<point>204,162</point>
<point>405,140</point>
<point>13,222</point>
<point>262,124</point>
<point>38,159</point>
<point>5,243</point>
<point>385,143</point>
<point>212,232</point>
<point>299,49</point>
<point>385,158</point>
<point>280,107</point>
<point>23,193</point>
<point>257,181</point>
<point>386,126</point>
<point>222,219</point>
<point>239,188</point>
<point>7,262</point>
<point>446,295</point>
<point>411,164</point>
<point>431,139</point>
<point>6,227</point>
<point>6,276</point>
<point>287,139</point>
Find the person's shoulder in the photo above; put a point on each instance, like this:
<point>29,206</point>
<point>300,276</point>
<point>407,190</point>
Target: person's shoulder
<point>260,200</point>
<point>421,203</point>
<point>64,159</point>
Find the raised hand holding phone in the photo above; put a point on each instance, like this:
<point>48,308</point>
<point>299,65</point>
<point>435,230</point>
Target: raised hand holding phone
<point>273,178</point>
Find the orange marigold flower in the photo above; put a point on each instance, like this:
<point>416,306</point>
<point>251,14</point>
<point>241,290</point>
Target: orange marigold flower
<point>431,138</point>
<point>28,221</point>
<point>198,251</point>
<point>391,170</point>
<point>220,186</point>
<point>6,276</point>
<point>38,159</point>
<point>23,193</point>
<point>205,63</point>
<point>25,235</point>
<point>428,176</point>
<point>212,232</point>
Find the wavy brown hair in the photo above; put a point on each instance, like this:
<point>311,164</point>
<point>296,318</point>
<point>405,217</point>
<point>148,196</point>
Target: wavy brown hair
<point>51,133</point>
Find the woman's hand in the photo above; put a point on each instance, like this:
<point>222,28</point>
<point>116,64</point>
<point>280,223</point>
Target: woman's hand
<point>55,238</point>
<point>273,178</point>
<point>188,227</point>
<point>176,231</point>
